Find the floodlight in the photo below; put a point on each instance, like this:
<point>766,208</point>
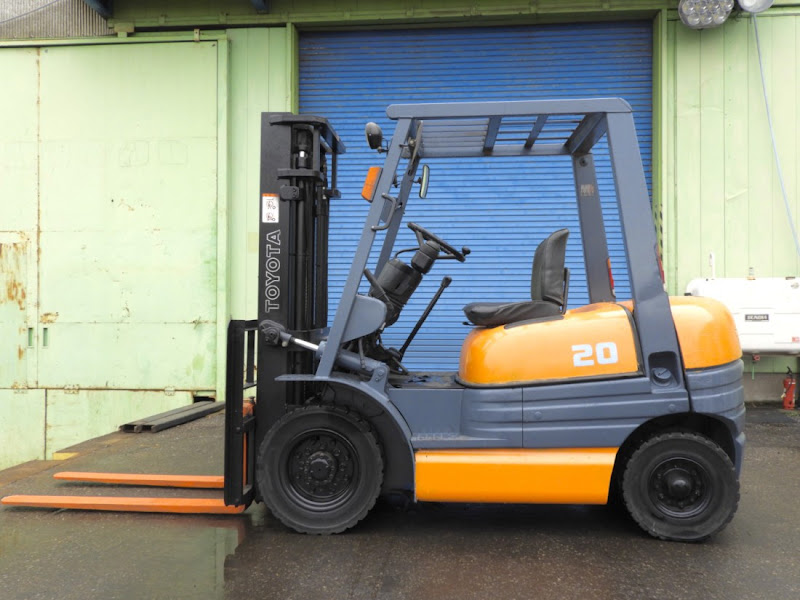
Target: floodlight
<point>705,14</point>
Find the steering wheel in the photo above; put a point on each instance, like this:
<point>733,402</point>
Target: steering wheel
<point>424,235</point>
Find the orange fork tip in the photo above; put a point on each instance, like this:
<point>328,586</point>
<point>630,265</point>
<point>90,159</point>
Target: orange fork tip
<point>210,506</point>
<point>178,481</point>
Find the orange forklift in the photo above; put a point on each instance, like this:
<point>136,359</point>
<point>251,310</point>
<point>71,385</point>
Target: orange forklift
<point>638,401</point>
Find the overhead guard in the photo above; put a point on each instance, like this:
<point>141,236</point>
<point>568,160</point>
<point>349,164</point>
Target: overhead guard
<point>450,110</point>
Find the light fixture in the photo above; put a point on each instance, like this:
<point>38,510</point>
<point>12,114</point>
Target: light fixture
<point>755,6</point>
<point>704,14</point>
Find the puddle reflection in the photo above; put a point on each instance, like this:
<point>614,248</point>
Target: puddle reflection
<point>76,554</point>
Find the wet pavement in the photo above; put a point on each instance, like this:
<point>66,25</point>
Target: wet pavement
<point>428,551</point>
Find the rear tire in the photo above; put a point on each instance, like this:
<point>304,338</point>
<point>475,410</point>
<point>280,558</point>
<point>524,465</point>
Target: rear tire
<point>681,487</point>
<point>319,469</point>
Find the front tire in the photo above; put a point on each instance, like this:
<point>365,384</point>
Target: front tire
<point>680,486</point>
<point>319,469</point>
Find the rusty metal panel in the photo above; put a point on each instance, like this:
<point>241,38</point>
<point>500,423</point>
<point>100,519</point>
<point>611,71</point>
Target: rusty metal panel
<point>15,341</point>
<point>128,194</point>
<point>29,19</point>
<point>18,216</point>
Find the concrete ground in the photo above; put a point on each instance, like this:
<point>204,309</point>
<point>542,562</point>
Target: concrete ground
<point>430,551</point>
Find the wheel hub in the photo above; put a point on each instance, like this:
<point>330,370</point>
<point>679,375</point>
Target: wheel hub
<point>679,487</point>
<point>322,466</point>
<point>321,469</point>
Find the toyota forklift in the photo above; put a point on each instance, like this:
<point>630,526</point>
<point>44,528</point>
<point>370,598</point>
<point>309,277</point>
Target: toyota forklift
<point>638,401</point>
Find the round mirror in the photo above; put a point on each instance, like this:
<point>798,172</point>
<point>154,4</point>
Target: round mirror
<point>755,6</point>
<point>374,135</point>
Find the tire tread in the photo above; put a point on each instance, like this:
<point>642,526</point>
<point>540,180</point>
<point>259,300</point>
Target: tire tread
<point>364,426</point>
<point>678,435</point>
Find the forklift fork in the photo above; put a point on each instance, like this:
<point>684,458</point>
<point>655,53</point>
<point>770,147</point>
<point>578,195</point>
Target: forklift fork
<point>133,504</point>
<point>237,483</point>
<point>195,506</point>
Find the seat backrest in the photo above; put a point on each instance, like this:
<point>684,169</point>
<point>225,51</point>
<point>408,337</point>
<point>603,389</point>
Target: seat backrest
<point>547,276</point>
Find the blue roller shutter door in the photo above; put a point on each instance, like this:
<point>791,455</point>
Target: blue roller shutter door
<point>500,208</point>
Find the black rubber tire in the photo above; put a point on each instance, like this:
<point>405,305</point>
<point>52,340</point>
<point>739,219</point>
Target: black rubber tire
<point>297,454</point>
<point>680,486</point>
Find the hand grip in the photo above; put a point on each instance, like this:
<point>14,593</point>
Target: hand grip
<point>390,216</point>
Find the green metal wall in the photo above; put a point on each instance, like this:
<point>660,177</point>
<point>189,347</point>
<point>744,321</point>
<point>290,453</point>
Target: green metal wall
<point>727,198</point>
<point>128,223</point>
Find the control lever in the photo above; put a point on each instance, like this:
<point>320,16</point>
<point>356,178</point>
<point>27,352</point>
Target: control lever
<point>446,281</point>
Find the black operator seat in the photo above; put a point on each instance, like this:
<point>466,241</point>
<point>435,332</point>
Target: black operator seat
<point>548,289</point>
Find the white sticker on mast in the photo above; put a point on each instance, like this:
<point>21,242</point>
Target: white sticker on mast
<point>270,208</point>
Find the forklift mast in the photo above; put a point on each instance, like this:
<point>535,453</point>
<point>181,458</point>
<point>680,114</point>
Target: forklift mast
<point>298,179</point>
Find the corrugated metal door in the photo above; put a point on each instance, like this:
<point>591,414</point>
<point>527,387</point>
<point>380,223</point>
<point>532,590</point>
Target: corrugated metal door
<point>500,208</point>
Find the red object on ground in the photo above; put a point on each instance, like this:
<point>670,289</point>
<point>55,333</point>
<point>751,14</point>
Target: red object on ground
<point>789,384</point>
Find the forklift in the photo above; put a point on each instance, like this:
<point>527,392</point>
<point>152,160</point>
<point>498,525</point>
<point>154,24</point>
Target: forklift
<point>637,402</point>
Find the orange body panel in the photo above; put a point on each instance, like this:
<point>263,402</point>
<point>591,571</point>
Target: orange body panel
<point>154,505</point>
<point>550,476</point>
<point>706,331</point>
<point>177,481</point>
<point>595,340</point>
